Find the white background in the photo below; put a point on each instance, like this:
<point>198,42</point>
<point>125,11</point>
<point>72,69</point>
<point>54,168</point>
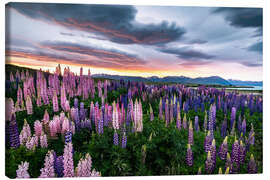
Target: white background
<point>217,3</point>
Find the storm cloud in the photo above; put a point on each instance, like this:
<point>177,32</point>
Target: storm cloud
<point>187,53</point>
<point>115,22</point>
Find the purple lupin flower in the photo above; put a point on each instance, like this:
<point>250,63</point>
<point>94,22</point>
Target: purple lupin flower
<point>124,140</point>
<point>185,121</point>
<point>151,113</point>
<point>115,138</point>
<point>68,137</point>
<point>59,166</point>
<point>209,165</point>
<point>178,121</point>
<point>197,128</point>
<point>235,155</point>
<point>22,171</point>
<point>233,115</point>
<point>228,164</point>
<point>68,161</point>
<point>244,127</point>
<point>208,142</point>
<point>160,109</point>
<point>190,134</point>
<point>223,149</point>
<point>167,112</point>
<point>213,151</point>
<point>242,153</point>
<point>223,129</point>
<point>189,156</point>
<point>13,132</point>
<point>252,167</point>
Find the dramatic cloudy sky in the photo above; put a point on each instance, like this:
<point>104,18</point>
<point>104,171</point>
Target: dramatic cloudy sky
<point>137,40</point>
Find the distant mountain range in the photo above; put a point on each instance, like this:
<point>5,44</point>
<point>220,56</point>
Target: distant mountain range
<point>212,80</point>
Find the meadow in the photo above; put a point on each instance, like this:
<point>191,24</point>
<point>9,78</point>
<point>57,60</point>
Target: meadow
<point>69,125</point>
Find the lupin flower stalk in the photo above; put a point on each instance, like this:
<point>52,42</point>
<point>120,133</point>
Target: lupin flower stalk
<point>43,140</point>
<point>228,164</point>
<point>244,127</point>
<point>160,109</point>
<point>235,155</point>
<point>223,149</point>
<point>185,121</point>
<point>115,138</point>
<point>151,113</point>
<point>48,170</point>
<point>190,134</point>
<point>242,153</point>
<point>205,120</point>
<point>68,137</point>
<point>223,129</point>
<point>68,160</point>
<point>46,117</point>
<point>209,165</point>
<point>115,120</point>
<point>59,166</point>
<point>167,112</point>
<point>29,106</point>
<point>197,127</point>
<point>233,115</point>
<point>13,132</point>
<point>252,167</point>
<point>207,142</point>
<point>55,102</point>
<point>84,167</point>
<point>124,140</point>
<point>189,156</point>
<point>178,121</point>
<point>22,171</point>
<point>25,133</point>
<point>38,127</point>
<point>213,152</point>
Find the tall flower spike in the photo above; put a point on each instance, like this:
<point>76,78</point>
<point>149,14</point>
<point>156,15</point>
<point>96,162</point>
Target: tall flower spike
<point>68,161</point>
<point>190,134</point>
<point>228,164</point>
<point>242,153</point>
<point>115,138</point>
<point>213,151</point>
<point>38,127</point>
<point>29,106</point>
<point>207,142</point>
<point>223,149</point>
<point>48,170</point>
<point>185,121</point>
<point>59,166</point>
<point>43,140</point>
<point>252,167</point>
<point>209,165</point>
<point>189,156</point>
<point>22,171</point>
<point>235,155</point>
<point>197,127</point>
<point>13,132</point>
<point>178,121</point>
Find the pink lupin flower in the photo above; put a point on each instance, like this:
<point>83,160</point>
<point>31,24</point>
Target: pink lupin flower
<point>55,102</point>
<point>30,143</point>
<point>46,117</point>
<point>115,118</point>
<point>68,160</point>
<point>9,108</point>
<point>35,140</point>
<point>38,127</point>
<point>84,167</point>
<point>48,170</point>
<point>67,106</point>
<point>25,133</point>
<point>53,128</point>
<point>65,126</point>
<point>22,171</point>
<point>29,106</point>
<point>43,140</point>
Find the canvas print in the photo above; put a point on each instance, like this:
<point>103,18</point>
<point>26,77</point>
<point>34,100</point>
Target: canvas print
<point>124,90</point>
